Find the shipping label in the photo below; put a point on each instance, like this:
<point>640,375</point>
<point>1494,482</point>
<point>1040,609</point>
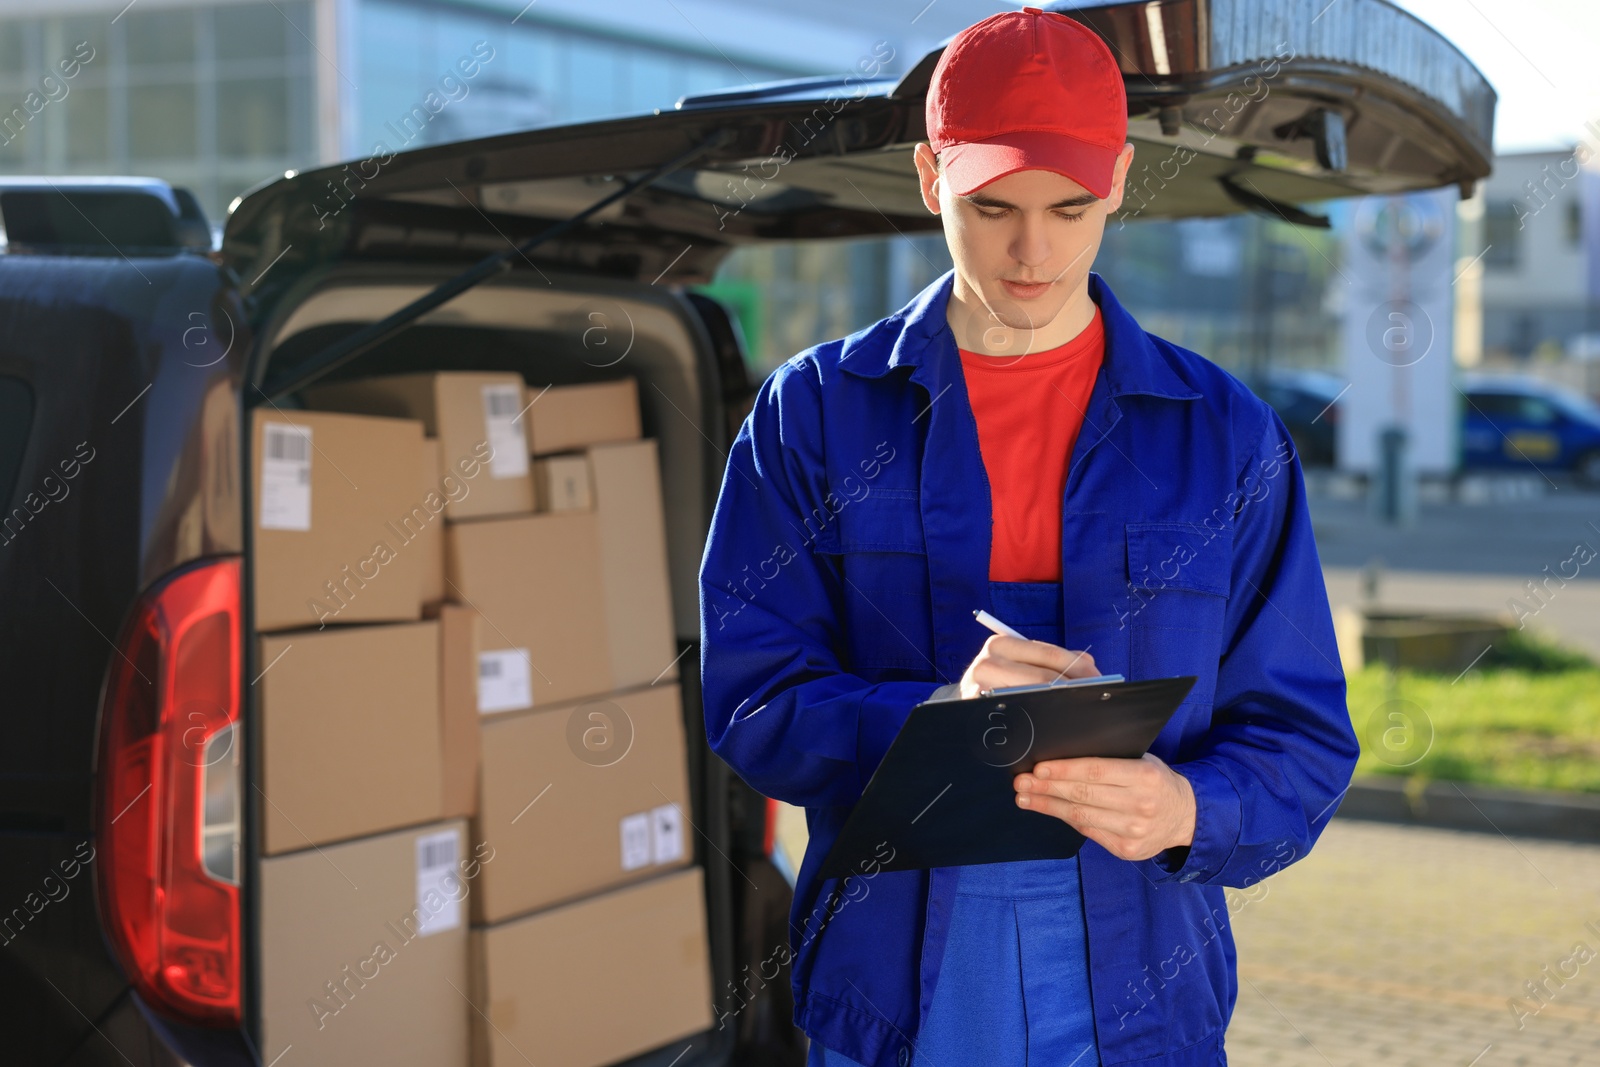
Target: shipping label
<point>285,477</point>
<point>504,682</point>
<point>502,406</point>
<point>439,885</point>
<point>635,840</point>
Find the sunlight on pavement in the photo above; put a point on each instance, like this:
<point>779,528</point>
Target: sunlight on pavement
<point>1401,945</point>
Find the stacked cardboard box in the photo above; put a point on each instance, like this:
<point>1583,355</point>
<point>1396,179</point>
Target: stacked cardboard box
<point>595,981</point>
<point>361,943</point>
<point>369,743</point>
<point>583,752</point>
<point>477,417</point>
<point>525,678</point>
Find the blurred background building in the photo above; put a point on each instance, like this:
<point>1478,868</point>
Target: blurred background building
<point>219,96</point>
<point>1541,263</point>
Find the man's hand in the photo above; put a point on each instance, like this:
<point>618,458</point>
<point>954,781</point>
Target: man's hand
<point>1004,661</point>
<point>1134,808</point>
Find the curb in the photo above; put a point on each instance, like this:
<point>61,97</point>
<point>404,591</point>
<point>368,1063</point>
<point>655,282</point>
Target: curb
<point>1458,806</point>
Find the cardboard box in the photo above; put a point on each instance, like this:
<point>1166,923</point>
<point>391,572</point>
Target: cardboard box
<point>478,419</point>
<point>562,483</point>
<point>360,945</point>
<point>581,798</point>
<point>350,733</point>
<point>458,708</point>
<point>633,562</point>
<point>536,581</point>
<point>335,525</point>
<point>430,541</point>
<point>594,982</point>
<point>564,417</point>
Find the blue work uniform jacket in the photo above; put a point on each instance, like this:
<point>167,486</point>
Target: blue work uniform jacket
<point>848,549</point>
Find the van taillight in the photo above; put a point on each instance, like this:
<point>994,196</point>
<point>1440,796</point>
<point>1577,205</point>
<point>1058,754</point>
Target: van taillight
<point>167,820</point>
<point>769,829</point>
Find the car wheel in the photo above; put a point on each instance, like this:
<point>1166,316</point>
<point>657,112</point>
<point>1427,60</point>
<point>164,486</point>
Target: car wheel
<point>1588,467</point>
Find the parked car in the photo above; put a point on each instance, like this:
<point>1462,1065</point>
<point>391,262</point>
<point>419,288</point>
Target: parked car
<point>1512,421</point>
<point>128,376</point>
<point>1508,422</point>
<point>1307,402</point>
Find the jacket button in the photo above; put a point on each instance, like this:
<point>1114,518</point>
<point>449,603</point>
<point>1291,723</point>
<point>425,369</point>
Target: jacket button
<point>905,1056</point>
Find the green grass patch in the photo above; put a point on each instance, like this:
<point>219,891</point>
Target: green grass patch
<point>1526,717</point>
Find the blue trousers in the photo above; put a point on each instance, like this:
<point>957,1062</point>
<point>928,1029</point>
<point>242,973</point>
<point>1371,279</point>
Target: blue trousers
<point>1013,986</point>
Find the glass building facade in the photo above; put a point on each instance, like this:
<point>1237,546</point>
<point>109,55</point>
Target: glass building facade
<point>219,97</point>
<point>211,98</point>
<point>540,73</point>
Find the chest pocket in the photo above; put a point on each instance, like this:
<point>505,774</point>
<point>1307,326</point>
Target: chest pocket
<point>1183,556</point>
<point>1178,589</point>
<point>888,608</point>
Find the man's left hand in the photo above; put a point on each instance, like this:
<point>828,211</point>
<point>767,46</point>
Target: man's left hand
<point>1134,808</point>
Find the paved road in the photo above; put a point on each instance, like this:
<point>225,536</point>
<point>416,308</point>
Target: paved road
<point>1393,945</point>
<point>1513,537</point>
<point>1475,558</point>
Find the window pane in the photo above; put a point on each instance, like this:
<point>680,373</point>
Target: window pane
<point>251,31</point>
<point>704,77</point>
<point>253,117</point>
<point>1502,231</point>
<point>13,140</point>
<point>1494,405</point>
<point>526,78</point>
<point>14,47</point>
<point>161,122</point>
<point>88,126</point>
<point>592,80</point>
<point>161,36</point>
<point>1537,411</point>
<point>390,69</point>
<point>79,32</point>
<point>653,82</point>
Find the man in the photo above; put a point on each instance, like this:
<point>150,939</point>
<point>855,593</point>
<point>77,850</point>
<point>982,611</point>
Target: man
<point>1012,440</point>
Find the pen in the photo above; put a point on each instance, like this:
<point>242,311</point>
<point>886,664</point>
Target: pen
<point>995,624</point>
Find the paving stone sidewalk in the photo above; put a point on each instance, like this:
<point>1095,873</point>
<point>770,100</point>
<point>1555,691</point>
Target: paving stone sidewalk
<point>1397,945</point>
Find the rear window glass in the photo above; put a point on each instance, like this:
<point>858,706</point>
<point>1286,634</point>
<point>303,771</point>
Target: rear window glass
<point>71,221</point>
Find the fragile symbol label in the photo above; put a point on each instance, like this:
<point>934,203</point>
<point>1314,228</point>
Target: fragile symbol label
<point>666,834</point>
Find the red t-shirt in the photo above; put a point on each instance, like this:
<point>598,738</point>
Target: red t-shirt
<point>1029,410</point>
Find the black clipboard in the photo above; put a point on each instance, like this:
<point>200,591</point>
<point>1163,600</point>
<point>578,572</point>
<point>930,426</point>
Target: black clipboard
<point>942,796</point>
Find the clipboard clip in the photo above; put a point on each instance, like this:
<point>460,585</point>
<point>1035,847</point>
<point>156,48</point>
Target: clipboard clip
<point>1099,679</point>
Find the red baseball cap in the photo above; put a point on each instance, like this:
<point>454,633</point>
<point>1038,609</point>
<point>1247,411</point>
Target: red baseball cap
<point>1024,90</point>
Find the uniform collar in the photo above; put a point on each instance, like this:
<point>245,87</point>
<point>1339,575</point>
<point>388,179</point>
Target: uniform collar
<point>1132,365</point>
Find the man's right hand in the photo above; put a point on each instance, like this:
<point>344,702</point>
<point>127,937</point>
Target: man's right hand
<point>1005,661</point>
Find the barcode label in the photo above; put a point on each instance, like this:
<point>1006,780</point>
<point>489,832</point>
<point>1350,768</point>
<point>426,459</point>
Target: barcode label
<point>285,477</point>
<point>504,682</point>
<point>284,443</point>
<point>439,850</point>
<point>439,885</point>
<point>500,401</point>
<point>635,831</point>
<point>501,406</point>
<point>666,834</point>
